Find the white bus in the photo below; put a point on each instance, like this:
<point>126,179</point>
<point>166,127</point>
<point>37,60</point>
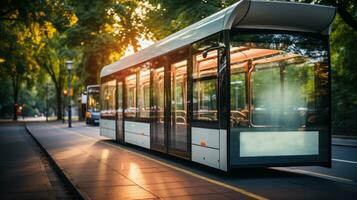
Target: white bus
<point>248,86</point>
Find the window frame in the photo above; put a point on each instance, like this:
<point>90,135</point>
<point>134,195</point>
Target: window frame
<point>204,79</point>
<point>196,50</point>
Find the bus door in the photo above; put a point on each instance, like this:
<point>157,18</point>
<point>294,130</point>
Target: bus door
<point>158,136</point>
<point>179,142</point>
<point>120,109</point>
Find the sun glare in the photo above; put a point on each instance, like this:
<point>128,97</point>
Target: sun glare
<point>143,44</point>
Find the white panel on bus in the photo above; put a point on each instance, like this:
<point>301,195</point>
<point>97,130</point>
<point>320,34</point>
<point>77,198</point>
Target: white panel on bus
<point>138,127</point>
<point>205,137</point>
<point>206,156</point>
<point>223,149</point>
<point>137,133</point>
<point>107,128</point>
<point>285,143</point>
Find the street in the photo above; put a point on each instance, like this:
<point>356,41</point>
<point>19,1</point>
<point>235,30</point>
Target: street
<point>154,175</point>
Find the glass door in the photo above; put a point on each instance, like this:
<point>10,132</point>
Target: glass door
<point>178,135</point>
<point>120,121</point>
<point>158,98</point>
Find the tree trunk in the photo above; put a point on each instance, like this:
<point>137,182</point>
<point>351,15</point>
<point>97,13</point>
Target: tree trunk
<point>15,88</point>
<point>59,102</point>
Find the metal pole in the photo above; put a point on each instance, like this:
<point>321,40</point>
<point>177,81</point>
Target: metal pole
<point>69,100</point>
<point>46,102</point>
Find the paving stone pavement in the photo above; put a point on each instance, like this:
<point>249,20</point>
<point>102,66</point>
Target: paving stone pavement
<point>102,171</point>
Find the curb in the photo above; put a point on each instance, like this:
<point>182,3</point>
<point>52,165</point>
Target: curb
<point>78,194</point>
<point>344,145</point>
<point>349,137</point>
<point>344,141</point>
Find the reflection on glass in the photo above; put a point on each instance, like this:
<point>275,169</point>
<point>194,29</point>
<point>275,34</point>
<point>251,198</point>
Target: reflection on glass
<point>205,87</point>
<point>108,90</point>
<point>93,102</point>
<point>178,136</point>
<point>103,91</point>
<point>120,129</point>
<point>239,109</point>
<point>130,95</point>
<point>158,107</point>
<point>144,93</point>
<point>278,80</point>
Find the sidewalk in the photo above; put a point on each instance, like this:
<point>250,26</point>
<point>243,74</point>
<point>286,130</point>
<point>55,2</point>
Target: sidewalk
<point>100,170</point>
<point>24,170</point>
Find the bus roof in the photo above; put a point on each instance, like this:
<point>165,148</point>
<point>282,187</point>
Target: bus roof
<point>245,14</point>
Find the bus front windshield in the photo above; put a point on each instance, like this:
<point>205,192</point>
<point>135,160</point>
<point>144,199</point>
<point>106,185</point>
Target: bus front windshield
<point>279,80</point>
<point>93,102</point>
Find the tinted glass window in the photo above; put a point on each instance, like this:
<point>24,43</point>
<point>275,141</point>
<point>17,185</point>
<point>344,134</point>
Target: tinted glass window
<point>205,86</point>
<point>144,93</point>
<point>278,80</point>
<point>108,92</point>
<point>130,95</point>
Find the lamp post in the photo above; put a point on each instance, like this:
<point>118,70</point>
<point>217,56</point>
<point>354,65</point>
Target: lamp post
<point>69,64</point>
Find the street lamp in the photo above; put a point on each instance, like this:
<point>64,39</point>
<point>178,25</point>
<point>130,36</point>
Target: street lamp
<point>69,64</point>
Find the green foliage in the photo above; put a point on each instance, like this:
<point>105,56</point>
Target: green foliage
<point>103,31</point>
<point>167,17</point>
<point>344,77</point>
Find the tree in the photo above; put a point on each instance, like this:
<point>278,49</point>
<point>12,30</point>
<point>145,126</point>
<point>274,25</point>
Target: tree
<point>346,9</point>
<point>22,23</point>
<point>51,57</point>
<point>103,31</point>
<point>16,52</point>
<point>167,17</point>
<point>344,77</point>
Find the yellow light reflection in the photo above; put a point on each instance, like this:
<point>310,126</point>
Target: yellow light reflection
<point>135,171</point>
<point>105,154</point>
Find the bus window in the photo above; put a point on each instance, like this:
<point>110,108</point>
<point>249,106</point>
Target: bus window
<point>178,129</point>
<point>103,92</point>
<point>108,90</point>
<point>130,95</point>
<point>93,103</point>
<point>239,108</point>
<point>278,81</point>
<point>144,93</point>
<point>111,96</point>
<point>205,86</point>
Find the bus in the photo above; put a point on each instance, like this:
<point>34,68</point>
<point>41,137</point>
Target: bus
<point>93,105</point>
<point>248,86</point>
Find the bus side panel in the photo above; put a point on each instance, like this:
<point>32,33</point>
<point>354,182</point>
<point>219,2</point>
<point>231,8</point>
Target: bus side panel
<point>107,128</point>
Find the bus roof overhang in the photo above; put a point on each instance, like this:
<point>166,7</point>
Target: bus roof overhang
<point>282,16</point>
<point>245,14</point>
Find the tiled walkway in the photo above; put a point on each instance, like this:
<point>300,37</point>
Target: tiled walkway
<point>103,171</point>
